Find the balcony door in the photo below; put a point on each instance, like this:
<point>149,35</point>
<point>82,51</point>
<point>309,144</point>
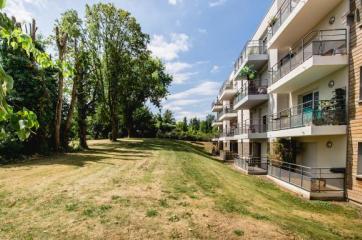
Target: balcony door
<point>309,102</point>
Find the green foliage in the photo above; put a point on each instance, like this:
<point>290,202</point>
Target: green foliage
<point>129,75</point>
<point>151,213</point>
<point>247,72</point>
<point>2,3</point>
<point>239,232</point>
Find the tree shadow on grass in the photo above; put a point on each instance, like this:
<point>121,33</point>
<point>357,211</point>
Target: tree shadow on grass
<point>112,152</point>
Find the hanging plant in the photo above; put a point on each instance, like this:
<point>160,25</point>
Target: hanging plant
<point>247,72</point>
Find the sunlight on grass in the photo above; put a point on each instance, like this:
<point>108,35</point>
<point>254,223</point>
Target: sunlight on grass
<point>157,189</point>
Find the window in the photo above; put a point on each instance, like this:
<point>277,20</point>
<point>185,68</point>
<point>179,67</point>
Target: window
<point>357,16</point>
<point>359,160</point>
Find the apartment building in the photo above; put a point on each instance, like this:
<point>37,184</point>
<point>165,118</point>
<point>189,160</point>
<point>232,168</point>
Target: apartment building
<point>283,110</point>
<point>354,152</point>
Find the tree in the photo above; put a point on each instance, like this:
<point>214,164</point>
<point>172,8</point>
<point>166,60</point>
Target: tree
<point>66,28</point>
<point>194,124</point>
<point>73,28</point>
<point>87,88</point>
<point>144,122</point>
<point>22,122</point>
<point>129,75</point>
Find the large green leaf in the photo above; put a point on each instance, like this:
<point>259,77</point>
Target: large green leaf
<point>2,3</point>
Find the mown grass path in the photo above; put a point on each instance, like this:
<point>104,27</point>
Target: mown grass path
<point>157,189</point>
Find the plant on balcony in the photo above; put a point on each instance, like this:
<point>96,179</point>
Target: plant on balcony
<point>273,21</point>
<point>247,72</point>
<point>286,150</point>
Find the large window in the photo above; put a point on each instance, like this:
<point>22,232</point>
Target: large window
<point>359,160</point>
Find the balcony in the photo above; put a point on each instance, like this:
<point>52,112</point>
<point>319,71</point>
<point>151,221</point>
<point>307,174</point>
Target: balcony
<point>252,165</point>
<point>313,118</point>
<point>312,183</point>
<point>295,18</point>
<point>254,53</point>
<point>318,54</point>
<point>227,113</point>
<point>254,129</point>
<point>216,106</point>
<point>250,95</point>
<point>216,123</point>
<point>227,91</point>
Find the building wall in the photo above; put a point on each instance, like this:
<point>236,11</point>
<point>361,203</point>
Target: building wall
<point>354,186</point>
<point>315,153</point>
<point>340,79</point>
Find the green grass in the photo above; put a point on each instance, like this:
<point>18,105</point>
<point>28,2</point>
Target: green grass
<point>151,213</point>
<point>157,189</point>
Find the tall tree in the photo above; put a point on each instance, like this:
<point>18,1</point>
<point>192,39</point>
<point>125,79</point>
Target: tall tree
<point>129,76</point>
<point>73,29</point>
<point>147,81</point>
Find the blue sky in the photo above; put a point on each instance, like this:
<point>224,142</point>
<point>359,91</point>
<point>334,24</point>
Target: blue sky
<point>198,40</point>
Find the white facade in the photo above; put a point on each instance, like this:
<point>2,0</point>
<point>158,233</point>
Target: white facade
<point>300,55</point>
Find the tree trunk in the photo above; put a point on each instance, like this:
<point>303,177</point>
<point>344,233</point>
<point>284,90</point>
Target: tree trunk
<point>82,125</point>
<point>114,124</point>
<point>61,40</point>
<point>69,119</point>
<point>129,131</point>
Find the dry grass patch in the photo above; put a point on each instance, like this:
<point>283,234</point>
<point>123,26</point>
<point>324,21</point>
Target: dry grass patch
<point>156,189</point>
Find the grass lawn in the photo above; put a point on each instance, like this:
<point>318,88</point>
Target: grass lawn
<point>157,189</point>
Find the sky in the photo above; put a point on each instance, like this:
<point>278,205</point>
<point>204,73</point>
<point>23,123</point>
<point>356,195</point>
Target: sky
<point>198,40</point>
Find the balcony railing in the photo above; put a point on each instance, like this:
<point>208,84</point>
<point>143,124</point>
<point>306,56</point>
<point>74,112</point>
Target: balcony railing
<point>225,110</point>
<point>255,126</point>
<point>318,113</point>
<point>216,103</point>
<point>252,47</point>
<point>251,164</point>
<point>250,88</point>
<point>308,178</point>
<point>283,13</point>
<point>226,85</point>
<point>321,43</point>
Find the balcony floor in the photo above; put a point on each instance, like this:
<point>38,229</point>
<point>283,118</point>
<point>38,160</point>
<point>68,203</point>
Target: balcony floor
<point>251,101</point>
<point>306,15</point>
<point>309,131</point>
<point>308,72</point>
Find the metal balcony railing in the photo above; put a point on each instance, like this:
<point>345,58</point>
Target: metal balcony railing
<point>216,103</point>
<point>226,85</point>
<point>321,43</point>
<point>324,112</point>
<point>283,13</point>
<point>308,178</point>
<point>252,47</point>
<point>250,163</point>
<point>250,88</point>
<point>250,127</point>
<point>225,110</point>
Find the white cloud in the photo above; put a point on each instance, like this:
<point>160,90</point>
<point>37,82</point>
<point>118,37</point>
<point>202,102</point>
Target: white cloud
<point>169,50</point>
<point>189,114</point>
<point>202,30</point>
<point>179,71</point>
<point>174,2</point>
<point>215,69</point>
<point>204,89</point>
<point>19,9</point>
<point>217,3</point>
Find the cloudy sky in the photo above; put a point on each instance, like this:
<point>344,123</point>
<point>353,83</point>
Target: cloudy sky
<point>198,40</point>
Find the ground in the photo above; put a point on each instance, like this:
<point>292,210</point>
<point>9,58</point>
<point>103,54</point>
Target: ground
<point>157,189</point>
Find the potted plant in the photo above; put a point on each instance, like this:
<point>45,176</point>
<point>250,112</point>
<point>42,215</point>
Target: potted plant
<point>247,72</point>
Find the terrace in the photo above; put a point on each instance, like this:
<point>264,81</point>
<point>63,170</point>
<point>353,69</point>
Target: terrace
<point>312,183</point>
